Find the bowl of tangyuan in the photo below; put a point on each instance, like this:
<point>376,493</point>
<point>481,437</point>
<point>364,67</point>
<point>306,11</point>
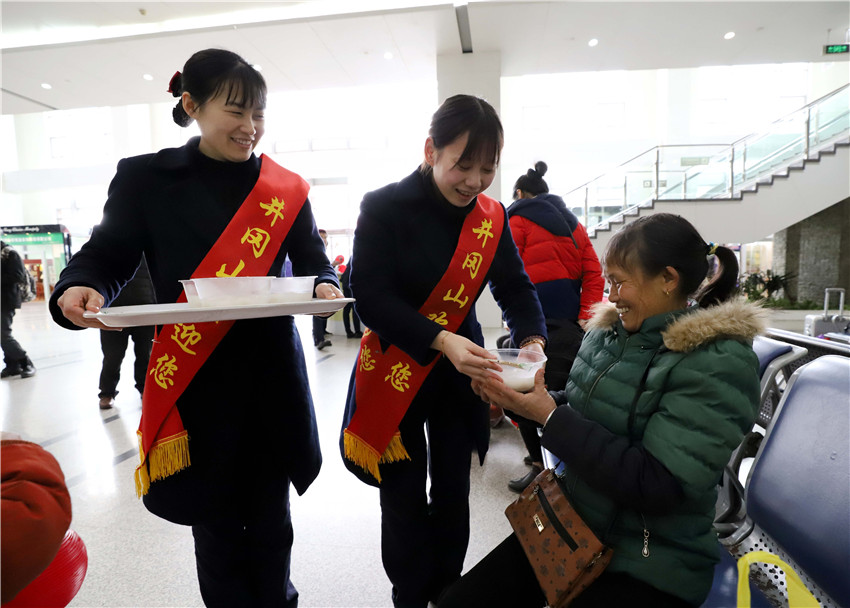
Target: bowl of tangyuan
<point>292,289</point>
<point>518,367</point>
<point>231,291</point>
<point>241,291</point>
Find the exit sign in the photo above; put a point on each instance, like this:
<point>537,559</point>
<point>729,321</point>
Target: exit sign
<point>834,49</point>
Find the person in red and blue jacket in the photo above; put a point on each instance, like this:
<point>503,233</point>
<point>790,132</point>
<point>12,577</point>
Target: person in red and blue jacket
<point>561,262</point>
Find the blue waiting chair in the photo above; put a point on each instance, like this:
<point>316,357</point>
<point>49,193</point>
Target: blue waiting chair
<point>777,361</point>
<point>797,499</point>
<point>775,368</point>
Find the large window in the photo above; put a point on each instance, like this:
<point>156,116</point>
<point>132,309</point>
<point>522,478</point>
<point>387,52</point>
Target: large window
<point>584,124</point>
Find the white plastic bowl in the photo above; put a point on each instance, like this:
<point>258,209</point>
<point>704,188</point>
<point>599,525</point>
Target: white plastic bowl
<point>292,289</point>
<point>232,291</point>
<point>518,367</point>
<point>191,292</point>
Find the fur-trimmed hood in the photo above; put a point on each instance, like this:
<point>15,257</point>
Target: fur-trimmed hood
<point>735,319</point>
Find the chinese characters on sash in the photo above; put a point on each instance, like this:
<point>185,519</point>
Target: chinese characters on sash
<point>450,303</point>
<point>185,337</point>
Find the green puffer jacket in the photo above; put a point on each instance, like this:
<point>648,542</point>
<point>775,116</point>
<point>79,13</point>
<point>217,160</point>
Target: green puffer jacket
<point>700,396</point>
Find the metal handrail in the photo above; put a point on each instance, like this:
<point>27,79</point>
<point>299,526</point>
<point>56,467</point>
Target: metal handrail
<point>809,105</point>
<point>736,153</point>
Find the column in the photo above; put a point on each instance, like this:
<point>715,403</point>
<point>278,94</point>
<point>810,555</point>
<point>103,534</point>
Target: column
<point>475,74</point>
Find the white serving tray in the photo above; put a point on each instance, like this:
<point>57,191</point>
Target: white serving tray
<point>182,312</point>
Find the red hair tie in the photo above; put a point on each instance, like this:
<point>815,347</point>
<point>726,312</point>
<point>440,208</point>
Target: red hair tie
<point>174,84</point>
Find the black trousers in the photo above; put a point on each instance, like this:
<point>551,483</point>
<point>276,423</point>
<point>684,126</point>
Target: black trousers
<point>320,324</point>
<point>113,344</point>
<point>348,311</point>
<point>243,560</point>
<point>424,538</point>
<point>13,353</point>
<point>505,579</point>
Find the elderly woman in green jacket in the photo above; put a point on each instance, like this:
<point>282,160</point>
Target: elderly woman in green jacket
<point>663,389</point>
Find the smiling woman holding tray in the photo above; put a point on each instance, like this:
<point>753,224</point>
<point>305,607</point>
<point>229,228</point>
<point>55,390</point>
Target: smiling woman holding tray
<point>211,458</point>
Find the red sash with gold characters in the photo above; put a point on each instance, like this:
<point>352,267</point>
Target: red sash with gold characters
<point>386,383</point>
<point>247,247</point>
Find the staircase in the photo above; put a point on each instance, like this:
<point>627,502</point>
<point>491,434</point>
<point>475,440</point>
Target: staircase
<point>736,193</point>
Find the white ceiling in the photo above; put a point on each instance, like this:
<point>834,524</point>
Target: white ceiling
<point>330,43</point>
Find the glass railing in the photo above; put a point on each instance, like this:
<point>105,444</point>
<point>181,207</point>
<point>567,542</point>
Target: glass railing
<point>711,171</point>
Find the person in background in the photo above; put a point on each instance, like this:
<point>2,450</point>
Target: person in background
<point>227,415</point>
<point>15,358</point>
<point>350,319</point>
<point>411,414</point>
<point>36,512</point>
<point>663,389</point>
<point>113,344</point>
<point>320,323</point>
<point>561,262</point>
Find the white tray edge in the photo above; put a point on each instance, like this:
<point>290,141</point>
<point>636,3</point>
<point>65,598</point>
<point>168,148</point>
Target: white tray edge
<point>161,314</point>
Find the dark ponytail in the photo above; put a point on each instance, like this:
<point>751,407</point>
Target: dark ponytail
<point>723,283</point>
<point>212,72</point>
<point>532,182</point>
<point>654,242</point>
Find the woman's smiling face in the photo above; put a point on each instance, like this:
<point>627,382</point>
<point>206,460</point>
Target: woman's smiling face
<point>458,182</point>
<point>229,132</point>
<point>638,297</point>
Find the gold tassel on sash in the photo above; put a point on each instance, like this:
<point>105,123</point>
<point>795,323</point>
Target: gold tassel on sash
<point>163,440</point>
<point>165,458</point>
<point>365,456</point>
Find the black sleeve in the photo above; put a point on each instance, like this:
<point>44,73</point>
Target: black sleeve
<point>306,249</point>
<point>607,462</point>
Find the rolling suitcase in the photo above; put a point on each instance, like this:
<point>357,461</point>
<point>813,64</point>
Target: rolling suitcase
<point>818,325</point>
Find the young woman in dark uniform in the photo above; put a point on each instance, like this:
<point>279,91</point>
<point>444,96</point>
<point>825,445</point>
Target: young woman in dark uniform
<point>411,413</point>
<point>221,441</point>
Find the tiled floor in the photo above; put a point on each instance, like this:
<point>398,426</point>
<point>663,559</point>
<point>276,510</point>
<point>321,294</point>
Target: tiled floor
<point>136,559</point>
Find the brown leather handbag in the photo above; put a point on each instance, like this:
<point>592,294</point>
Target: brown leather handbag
<point>566,555</point>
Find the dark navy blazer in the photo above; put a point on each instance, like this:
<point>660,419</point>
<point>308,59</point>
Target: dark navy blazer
<point>248,411</point>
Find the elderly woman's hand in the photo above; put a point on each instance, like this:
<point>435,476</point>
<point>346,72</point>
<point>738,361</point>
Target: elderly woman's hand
<point>535,405</point>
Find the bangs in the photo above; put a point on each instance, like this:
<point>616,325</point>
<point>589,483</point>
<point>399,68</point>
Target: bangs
<point>484,143</point>
<point>622,251</point>
<point>244,88</point>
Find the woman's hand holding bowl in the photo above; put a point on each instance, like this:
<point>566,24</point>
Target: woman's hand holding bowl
<point>467,357</point>
<point>535,405</point>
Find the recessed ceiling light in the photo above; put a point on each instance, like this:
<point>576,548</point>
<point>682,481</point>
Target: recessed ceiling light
<point>388,55</point>
<point>592,42</point>
<point>147,77</point>
<point>258,67</point>
<point>45,85</point>
<point>729,35</point>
